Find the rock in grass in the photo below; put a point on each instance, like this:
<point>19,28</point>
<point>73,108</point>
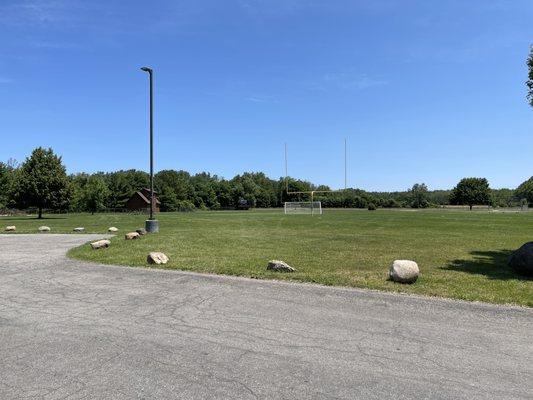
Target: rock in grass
<point>79,229</point>
<point>11,228</point>
<point>112,229</point>
<point>44,229</point>
<point>157,258</point>
<point>132,235</point>
<point>404,271</point>
<point>141,231</point>
<point>279,266</point>
<point>522,259</point>
<point>100,244</point>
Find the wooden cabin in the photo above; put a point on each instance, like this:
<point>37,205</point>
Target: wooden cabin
<point>140,201</point>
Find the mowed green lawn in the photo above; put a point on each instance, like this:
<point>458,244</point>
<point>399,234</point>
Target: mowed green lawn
<point>461,254</point>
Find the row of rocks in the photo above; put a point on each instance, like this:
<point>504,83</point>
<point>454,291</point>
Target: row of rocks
<point>13,228</point>
<point>154,257</point>
<point>402,271</point>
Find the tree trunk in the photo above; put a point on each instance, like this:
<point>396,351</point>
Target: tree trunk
<point>40,212</point>
<point>471,207</point>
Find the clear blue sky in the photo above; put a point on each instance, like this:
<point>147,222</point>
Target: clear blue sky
<point>424,91</point>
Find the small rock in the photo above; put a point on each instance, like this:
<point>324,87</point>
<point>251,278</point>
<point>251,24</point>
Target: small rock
<point>79,229</point>
<point>279,266</point>
<point>11,228</point>
<point>141,231</point>
<point>404,271</point>
<point>522,259</point>
<point>44,229</point>
<point>112,229</point>
<point>100,244</point>
<point>157,258</point>
<point>132,235</point>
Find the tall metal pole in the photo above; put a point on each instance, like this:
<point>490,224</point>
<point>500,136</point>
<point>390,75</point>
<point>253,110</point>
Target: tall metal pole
<point>151,72</point>
<point>152,224</point>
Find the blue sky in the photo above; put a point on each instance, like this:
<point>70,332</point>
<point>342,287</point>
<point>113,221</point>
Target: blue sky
<point>424,91</point>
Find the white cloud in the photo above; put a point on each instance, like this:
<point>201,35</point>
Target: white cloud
<point>39,12</point>
<point>260,99</point>
<point>347,81</point>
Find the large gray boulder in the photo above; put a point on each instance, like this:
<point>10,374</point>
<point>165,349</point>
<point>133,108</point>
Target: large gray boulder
<point>141,231</point>
<point>522,259</point>
<point>131,236</point>
<point>79,229</point>
<point>404,271</point>
<point>156,257</point>
<point>11,228</point>
<point>279,266</point>
<point>100,244</point>
<point>112,229</point>
<point>44,229</point>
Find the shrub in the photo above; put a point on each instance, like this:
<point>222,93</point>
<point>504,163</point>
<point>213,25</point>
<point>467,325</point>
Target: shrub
<point>185,206</point>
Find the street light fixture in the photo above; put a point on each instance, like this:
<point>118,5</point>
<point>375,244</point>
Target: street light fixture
<point>152,225</point>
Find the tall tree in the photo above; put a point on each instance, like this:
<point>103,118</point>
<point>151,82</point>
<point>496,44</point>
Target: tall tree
<point>471,191</point>
<point>5,184</point>
<point>95,194</point>
<point>525,191</point>
<point>419,195</point>
<point>42,182</point>
<point>529,82</point>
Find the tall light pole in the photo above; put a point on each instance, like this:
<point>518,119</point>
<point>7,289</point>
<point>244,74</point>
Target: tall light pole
<point>152,225</point>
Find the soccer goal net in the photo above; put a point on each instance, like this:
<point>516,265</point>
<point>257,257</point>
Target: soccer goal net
<point>303,207</point>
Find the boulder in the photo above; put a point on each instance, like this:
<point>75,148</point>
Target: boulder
<point>79,229</point>
<point>279,266</point>
<point>157,258</point>
<point>141,231</point>
<point>132,235</point>
<point>522,259</point>
<point>11,228</point>
<point>404,271</point>
<point>112,229</point>
<point>44,229</point>
<point>100,244</point>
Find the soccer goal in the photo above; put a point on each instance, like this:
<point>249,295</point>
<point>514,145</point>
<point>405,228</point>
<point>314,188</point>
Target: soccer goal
<point>303,207</point>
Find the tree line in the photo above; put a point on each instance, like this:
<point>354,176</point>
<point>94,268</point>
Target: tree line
<point>41,183</point>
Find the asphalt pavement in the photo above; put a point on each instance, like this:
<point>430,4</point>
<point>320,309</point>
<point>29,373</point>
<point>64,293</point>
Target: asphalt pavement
<point>76,330</point>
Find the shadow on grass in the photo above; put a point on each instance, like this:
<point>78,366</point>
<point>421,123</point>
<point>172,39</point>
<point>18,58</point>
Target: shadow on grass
<point>492,264</point>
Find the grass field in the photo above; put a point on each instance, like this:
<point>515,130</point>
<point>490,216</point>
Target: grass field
<point>461,254</point>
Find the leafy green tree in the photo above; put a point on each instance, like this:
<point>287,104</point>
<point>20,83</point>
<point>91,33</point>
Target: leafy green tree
<point>42,182</point>
<point>95,194</point>
<point>504,198</point>
<point>169,200</point>
<point>525,191</point>
<point>419,196</point>
<point>471,191</point>
<point>122,185</point>
<point>5,184</point>
<point>178,181</point>
<point>529,82</point>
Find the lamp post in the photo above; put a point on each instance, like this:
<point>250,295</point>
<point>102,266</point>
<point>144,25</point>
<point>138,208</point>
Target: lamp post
<point>152,225</point>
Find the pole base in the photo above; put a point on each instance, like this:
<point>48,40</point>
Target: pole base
<point>152,225</point>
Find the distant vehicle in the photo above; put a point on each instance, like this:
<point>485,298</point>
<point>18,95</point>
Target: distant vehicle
<point>243,204</point>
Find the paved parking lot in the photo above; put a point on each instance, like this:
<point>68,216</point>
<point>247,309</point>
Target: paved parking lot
<point>70,329</point>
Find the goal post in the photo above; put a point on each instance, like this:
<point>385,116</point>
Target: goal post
<point>303,207</point>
